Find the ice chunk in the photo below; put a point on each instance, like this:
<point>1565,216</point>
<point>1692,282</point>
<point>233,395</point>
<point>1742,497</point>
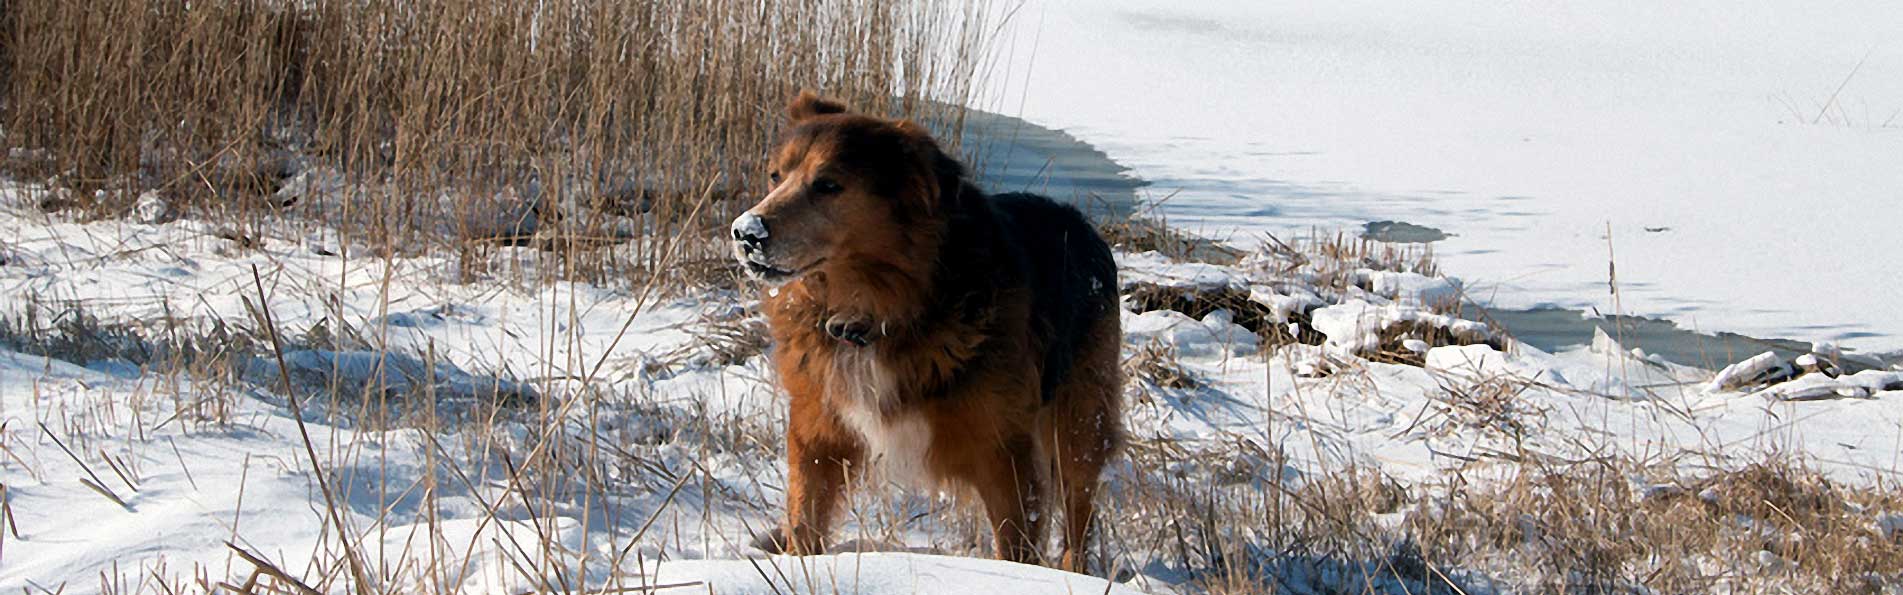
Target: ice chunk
<point>1760,369</point>
<point>1812,387</point>
<point>1827,349</point>
<point>1413,289</point>
<point>152,208</point>
<point>1874,381</point>
<point>1890,525</point>
<point>1603,343</point>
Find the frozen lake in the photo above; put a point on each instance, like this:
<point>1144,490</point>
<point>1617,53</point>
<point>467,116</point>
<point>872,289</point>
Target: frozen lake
<point>1741,165</point>
<point>1011,154</point>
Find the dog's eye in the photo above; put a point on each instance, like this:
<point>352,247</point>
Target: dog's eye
<point>826,186</point>
<point>774,177</point>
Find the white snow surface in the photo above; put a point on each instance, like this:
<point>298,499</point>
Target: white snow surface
<point>195,482</point>
<point>1743,156</point>
<point>880,573</point>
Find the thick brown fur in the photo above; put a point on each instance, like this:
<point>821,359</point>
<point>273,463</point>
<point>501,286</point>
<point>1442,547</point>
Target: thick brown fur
<point>922,326</point>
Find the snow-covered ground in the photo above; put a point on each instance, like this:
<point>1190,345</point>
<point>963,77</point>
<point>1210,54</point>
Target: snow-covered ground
<point>1746,158</point>
<point>138,474</point>
<point>466,449</point>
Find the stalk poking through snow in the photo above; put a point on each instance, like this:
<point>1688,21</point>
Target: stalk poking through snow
<point>359,578</point>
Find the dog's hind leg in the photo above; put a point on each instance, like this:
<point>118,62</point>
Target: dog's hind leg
<point>1080,431</point>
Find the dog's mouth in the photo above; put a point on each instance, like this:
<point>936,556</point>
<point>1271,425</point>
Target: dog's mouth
<point>774,274</point>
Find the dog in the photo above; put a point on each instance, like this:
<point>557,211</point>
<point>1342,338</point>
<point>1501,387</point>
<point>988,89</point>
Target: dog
<point>933,332</point>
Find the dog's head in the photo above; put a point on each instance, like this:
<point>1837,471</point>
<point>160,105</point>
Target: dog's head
<point>845,187</point>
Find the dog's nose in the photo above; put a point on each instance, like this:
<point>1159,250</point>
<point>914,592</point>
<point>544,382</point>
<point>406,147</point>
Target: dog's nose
<point>749,230</point>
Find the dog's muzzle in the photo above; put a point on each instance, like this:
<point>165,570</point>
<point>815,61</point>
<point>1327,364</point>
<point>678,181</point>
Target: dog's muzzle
<point>749,247</point>
<point>749,235</point>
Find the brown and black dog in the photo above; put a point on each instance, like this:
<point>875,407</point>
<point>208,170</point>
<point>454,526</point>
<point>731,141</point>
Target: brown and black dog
<point>928,329</point>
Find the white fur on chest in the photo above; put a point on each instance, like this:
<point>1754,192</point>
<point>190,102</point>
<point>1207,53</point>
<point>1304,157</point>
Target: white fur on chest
<point>865,397</point>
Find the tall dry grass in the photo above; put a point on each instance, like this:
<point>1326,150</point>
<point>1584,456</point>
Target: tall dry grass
<point>430,116</point>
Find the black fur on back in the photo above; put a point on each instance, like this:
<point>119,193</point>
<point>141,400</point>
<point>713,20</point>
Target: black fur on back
<point>1018,242</point>
<point>1072,276</point>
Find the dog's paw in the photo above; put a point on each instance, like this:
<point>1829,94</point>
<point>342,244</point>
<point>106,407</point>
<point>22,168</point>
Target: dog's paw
<point>776,541</point>
<point>772,541</point>
<point>856,330</point>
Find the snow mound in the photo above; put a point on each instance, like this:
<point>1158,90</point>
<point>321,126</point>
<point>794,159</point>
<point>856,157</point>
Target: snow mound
<point>880,573</point>
<point>1155,268</point>
<point>1759,369</point>
<point>1286,302</point>
<point>1817,385</point>
<point>1216,333</point>
<point>1354,327</point>
<point>1811,387</point>
<point>1874,381</point>
<point>1412,288</point>
<point>1483,361</point>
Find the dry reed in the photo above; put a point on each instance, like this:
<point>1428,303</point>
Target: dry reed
<point>456,123</point>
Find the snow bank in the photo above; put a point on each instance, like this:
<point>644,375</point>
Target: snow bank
<point>1154,268</point>
<point>1480,362</point>
<point>1413,289</point>
<point>1355,326</point>
<point>876,574</point>
<point>1814,386</point>
<point>1215,334</point>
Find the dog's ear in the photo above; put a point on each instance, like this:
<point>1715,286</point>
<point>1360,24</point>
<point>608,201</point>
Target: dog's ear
<point>945,174</point>
<point>922,141</point>
<point>914,130</point>
<point>809,104</point>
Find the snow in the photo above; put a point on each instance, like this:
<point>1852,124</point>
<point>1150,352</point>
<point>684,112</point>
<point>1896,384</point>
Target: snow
<point>1806,361</point>
<point>392,373</point>
<point>1215,334</point>
<point>1483,362</point>
<point>1413,288</point>
<point>1817,385</point>
<point>1814,386</point>
<point>1875,381</point>
<point>1351,328</point>
<point>1154,268</point>
<point>1354,327</point>
<point>219,457</point>
<point>1743,158</point>
<point>878,573</point>
<point>152,208</point>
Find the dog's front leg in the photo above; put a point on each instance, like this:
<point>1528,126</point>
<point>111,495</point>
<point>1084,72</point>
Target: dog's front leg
<point>822,458</point>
